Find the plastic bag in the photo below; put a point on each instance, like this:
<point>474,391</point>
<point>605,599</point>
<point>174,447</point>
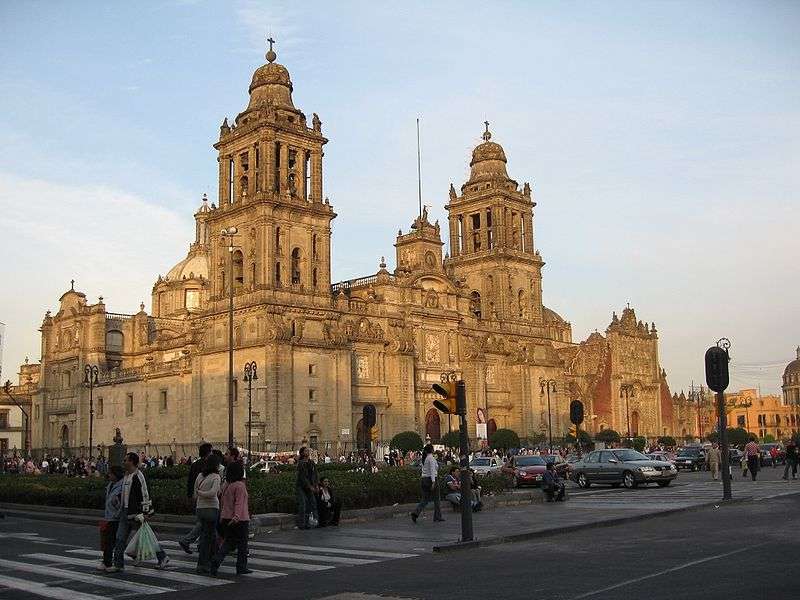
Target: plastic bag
<point>133,545</point>
<point>148,545</point>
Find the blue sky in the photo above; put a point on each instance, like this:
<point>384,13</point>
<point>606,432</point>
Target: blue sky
<point>661,140</point>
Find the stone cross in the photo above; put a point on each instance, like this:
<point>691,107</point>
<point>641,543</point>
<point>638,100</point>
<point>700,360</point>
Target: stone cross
<point>486,134</point>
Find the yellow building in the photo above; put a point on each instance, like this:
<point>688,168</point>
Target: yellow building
<point>325,350</point>
<point>760,415</point>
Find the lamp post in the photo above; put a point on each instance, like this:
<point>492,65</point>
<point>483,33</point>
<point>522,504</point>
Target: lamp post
<point>229,233</point>
<point>7,390</point>
<point>548,385</point>
<point>250,374</point>
<point>627,390</point>
<point>90,373</point>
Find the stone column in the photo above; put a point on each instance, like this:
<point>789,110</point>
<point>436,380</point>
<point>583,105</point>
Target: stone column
<point>222,194</point>
<point>268,168</point>
<point>316,175</point>
<point>300,181</point>
<point>283,168</point>
<point>252,173</point>
<point>484,229</point>
<point>453,235</point>
<point>528,221</point>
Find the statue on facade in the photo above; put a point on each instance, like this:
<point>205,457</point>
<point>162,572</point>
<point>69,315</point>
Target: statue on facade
<point>316,123</point>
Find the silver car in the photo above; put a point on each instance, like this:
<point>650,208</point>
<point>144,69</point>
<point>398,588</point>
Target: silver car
<point>483,465</point>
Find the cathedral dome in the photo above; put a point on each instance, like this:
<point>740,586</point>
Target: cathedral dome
<point>794,366</point>
<point>271,83</point>
<point>193,266</point>
<point>488,160</point>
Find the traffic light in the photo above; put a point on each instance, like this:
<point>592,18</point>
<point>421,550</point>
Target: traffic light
<point>717,376</point>
<point>447,390</point>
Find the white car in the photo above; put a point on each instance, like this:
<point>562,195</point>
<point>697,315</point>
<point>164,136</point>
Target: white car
<point>264,466</point>
<point>485,464</point>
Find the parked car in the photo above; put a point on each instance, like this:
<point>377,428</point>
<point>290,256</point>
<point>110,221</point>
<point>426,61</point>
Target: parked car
<point>264,466</point>
<point>735,456</point>
<point>482,465</point>
<point>526,470</point>
<point>622,466</point>
<point>664,456</point>
<point>692,458</point>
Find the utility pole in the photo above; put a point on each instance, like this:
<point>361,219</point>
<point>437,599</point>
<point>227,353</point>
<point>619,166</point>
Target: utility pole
<point>546,385</point>
<point>90,380</point>
<point>250,375</point>
<point>717,378</point>
<point>229,233</point>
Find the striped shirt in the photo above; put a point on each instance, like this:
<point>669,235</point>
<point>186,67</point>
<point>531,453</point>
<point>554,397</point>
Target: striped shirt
<point>752,449</point>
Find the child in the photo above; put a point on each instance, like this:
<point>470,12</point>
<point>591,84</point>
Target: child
<point>236,515</point>
<point>110,522</point>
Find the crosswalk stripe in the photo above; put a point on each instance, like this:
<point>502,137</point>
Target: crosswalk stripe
<point>342,560</point>
<point>192,565</point>
<point>289,565</point>
<point>41,589</point>
<point>86,577</point>
<point>348,551</point>
<point>150,572</point>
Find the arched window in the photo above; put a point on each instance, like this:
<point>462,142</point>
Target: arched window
<point>475,304</point>
<point>278,274</point>
<point>314,246</point>
<point>253,274</point>
<point>243,181</point>
<point>295,266</point>
<point>491,427</point>
<point>238,268</point>
<point>314,277</point>
<point>114,341</point>
<point>278,249</point>
<point>521,303</point>
<point>65,437</point>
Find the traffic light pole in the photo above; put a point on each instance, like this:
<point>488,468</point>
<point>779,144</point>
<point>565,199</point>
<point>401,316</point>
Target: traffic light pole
<point>466,476</point>
<point>723,442</point>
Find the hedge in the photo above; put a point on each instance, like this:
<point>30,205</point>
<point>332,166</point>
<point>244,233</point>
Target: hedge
<point>268,493</point>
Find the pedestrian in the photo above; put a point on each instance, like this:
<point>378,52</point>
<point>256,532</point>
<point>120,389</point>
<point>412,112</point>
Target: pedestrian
<point>194,470</point>
<point>552,485</point>
<point>206,493</point>
<point>328,505</point>
<point>773,454</point>
<point>714,457</point>
<point>428,483</point>
<point>791,460</point>
<point>235,517</point>
<point>306,488</point>
<point>752,452</point>
<point>110,522</point>
<point>135,505</point>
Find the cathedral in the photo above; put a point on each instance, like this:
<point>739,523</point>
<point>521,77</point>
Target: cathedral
<point>467,299</point>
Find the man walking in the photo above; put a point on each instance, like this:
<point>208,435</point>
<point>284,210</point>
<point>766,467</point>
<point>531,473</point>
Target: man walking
<point>194,470</point>
<point>791,460</point>
<point>752,452</point>
<point>430,487</point>
<point>714,457</point>
<point>135,505</point>
<point>307,487</point>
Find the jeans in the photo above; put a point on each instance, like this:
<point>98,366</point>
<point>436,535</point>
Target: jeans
<point>329,515</point>
<point>306,506</point>
<point>123,531</point>
<point>752,466</point>
<point>235,537</point>
<point>430,491</point>
<point>108,542</point>
<point>790,464</point>
<point>194,532</point>
<point>208,528</point>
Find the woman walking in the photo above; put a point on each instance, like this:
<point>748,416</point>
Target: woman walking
<point>206,493</point>
<point>235,518</point>
<point>430,489</point>
<point>752,452</point>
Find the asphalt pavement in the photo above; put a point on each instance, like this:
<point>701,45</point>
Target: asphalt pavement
<point>745,550</point>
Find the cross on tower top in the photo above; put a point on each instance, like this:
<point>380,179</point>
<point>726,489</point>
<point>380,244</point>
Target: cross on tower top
<point>72,284</point>
<point>271,56</point>
<point>486,135</point>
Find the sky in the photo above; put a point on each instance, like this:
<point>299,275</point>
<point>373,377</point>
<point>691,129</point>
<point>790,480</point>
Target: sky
<point>660,140</point>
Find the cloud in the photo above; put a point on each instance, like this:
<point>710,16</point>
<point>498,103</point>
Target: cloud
<point>113,243</point>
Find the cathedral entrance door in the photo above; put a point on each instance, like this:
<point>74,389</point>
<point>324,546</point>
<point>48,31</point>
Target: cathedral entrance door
<point>491,427</point>
<point>433,427</point>
<point>635,423</point>
<point>64,439</point>
<point>361,435</point>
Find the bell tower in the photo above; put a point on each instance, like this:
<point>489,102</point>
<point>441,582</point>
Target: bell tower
<point>270,189</point>
<point>491,239</point>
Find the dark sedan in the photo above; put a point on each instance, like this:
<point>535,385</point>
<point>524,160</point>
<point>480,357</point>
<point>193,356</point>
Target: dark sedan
<point>622,466</point>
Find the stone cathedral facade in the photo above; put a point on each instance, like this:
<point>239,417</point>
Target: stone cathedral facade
<point>465,297</point>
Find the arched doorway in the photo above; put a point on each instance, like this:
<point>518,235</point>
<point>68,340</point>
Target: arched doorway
<point>65,437</point>
<point>491,427</point>
<point>635,423</point>
<point>433,426</point>
<point>361,435</point>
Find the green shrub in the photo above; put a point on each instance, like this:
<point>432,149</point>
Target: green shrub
<point>407,441</point>
<point>667,441</point>
<point>451,439</point>
<point>608,436</point>
<point>504,439</point>
<point>176,472</point>
<point>639,443</point>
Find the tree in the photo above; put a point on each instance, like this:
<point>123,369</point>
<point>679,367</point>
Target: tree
<point>667,440</point>
<point>504,439</point>
<point>608,436</point>
<point>451,439</point>
<point>406,441</point>
<point>585,439</point>
<point>768,438</point>
<point>639,443</point>
<point>736,436</point>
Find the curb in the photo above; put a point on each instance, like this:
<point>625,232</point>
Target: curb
<point>529,535</point>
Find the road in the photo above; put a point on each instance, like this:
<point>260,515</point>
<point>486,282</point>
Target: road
<point>745,550</point>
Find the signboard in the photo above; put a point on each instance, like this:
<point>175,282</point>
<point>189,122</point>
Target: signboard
<point>345,432</point>
<point>480,431</point>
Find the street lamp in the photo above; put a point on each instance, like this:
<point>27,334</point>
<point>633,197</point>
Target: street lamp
<point>627,390</point>
<point>250,374</point>
<point>229,233</point>
<point>7,390</point>
<point>548,385</point>
<point>90,373</point>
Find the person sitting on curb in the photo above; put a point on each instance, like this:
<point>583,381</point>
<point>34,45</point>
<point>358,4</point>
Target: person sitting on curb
<point>328,505</point>
<point>552,485</point>
<point>452,483</point>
